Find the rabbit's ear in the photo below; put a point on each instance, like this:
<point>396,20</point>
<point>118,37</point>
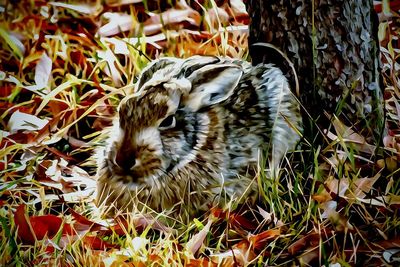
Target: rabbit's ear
<point>212,84</point>
<point>155,71</point>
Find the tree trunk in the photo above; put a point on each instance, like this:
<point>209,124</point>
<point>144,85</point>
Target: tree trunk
<point>334,48</point>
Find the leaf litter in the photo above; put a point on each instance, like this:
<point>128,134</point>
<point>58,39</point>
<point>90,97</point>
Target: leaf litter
<point>67,65</point>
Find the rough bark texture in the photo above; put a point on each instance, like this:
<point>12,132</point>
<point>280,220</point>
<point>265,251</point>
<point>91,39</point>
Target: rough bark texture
<point>333,46</point>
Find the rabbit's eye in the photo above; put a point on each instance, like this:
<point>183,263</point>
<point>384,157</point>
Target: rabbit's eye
<point>168,123</point>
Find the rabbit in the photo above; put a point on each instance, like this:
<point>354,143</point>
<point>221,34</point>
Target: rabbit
<point>193,130</point>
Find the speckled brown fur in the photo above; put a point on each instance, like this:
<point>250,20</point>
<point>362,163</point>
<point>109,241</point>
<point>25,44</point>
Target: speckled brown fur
<point>224,112</point>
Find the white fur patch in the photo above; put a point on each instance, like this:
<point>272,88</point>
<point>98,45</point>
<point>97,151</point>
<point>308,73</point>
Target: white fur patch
<point>183,85</point>
<point>115,135</point>
<point>151,137</point>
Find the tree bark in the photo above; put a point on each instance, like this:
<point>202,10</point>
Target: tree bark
<point>334,48</point>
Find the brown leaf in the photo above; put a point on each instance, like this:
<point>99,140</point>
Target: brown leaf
<point>349,136</point>
<point>241,254</point>
<point>203,262</point>
<point>260,240</point>
<point>363,186</point>
<point>60,154</point>
<point>308,241</point>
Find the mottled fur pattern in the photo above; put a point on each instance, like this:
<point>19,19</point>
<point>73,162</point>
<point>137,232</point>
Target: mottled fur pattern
<point>193,129</point>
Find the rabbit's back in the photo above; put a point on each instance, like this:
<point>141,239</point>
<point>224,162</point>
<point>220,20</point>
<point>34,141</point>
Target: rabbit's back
<point>262,118</point>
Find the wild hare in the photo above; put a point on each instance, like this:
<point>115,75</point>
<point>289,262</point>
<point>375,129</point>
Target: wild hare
<point>193,131</point>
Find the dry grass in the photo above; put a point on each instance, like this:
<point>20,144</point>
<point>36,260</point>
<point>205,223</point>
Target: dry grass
<point>60,82</point>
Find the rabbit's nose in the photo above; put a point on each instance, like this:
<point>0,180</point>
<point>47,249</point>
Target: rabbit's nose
<point>124,160</point>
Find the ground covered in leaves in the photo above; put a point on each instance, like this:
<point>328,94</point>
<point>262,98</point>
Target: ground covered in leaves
<point>63,69</point>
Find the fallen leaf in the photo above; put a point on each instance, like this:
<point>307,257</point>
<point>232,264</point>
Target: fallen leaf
<point>42,74</point>
<point>349,136</point>
<point>329,207</point>
<point>156,22</point>
<point>203,262</point>
<point>86,9</point>
<point>120,228</point>
<point>110,69</point>
<point>260,240</point>
<point>266,215</point>
<point>144,220</point>
<point>310,240</point>
<point>363,186</point>
<point>195,243</point>
<point>117,22</point>
<point>218,213</point>
<point>38,227</point>
<point>49,225</point>
<point>307,258</point>
<point>23,121</point>
<point>239,220</point>
<point>116,260</point>
<point>84,223</point>
<point>25,232</point>
<point>240,255</point>
<point>13,42</point>
<point>139,243</point>
<point>122,2</point>
<point>238,7</point>
<point>217,17</point>
<point>337,186</point>
<point>96,243</point>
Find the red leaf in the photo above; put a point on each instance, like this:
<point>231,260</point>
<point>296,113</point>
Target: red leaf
<point>21,137</point>
<point>68,230</point>
<point>394,5</point>
<point>218,213</point>
<point>6,90</point>
<point>84,223</point>
<point>42,226</point>
<point>45,225</point>
<point>41,168</point>
<point>60,154</point>
<point>77,57</point>
<point>120,228</point>
<point>49,225</point>
<point>95,242</point>
<point>2,167</point>
<point>50,249</point>
<point>24,230</point>
<point>241,221</point>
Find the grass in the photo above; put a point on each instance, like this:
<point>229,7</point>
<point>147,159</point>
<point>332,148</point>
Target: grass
<point>330,204</point>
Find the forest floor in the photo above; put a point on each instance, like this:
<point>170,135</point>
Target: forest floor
<point>64,68</point>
